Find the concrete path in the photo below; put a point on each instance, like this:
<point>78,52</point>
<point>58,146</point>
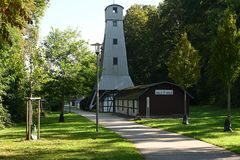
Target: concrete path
<point>156,144</point>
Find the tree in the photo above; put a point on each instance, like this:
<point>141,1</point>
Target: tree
<point>14,14</point>
<point>152,34</point>
<point>71,64</point>
<point>14,77</point>
<point>15,17</point>
<point>170,26</point>
<point>184,67</point>
<point>225,60</point>
<point>201,20</point>
<point>139,27</point>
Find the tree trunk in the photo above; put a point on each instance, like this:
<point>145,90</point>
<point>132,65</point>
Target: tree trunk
<point>185,118</point>
<point>61,118</point>
<point>227,123</point>
<point>69,104</point>
<point>229,104</point>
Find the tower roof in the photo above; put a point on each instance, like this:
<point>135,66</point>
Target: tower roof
<point>114,5</point>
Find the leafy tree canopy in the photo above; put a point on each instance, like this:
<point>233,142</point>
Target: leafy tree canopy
<point>184,63</point>
<point>16,16</point>
<point>226,50</point>
<point>71,65</point>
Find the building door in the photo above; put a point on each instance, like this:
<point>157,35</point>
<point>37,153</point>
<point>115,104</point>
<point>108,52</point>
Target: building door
<point>147,107</point>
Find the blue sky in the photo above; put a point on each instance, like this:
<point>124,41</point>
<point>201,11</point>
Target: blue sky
<point>86,15</point>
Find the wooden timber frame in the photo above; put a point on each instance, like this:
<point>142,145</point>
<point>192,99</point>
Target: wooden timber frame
<point>29,114</point>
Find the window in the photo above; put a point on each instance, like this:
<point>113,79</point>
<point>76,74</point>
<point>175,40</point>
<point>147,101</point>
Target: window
<point>114,23</point>
<point>115,61</point>
<point>115,41</point>
<point>114,9</point>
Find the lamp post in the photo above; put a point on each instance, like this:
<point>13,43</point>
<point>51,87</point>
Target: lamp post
<point>97,51</point>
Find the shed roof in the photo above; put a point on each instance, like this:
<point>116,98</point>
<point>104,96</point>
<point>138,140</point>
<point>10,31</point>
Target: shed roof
<point>137,91</point>
<point>130,94</point>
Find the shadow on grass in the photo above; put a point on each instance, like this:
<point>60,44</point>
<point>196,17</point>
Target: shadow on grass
<point>198,127</point>
<point>206,123</point>
<point>74,128</point>
<point>126,153</point>
<point>76,138</point>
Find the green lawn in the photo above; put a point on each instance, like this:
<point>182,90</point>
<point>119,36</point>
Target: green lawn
<point>74,139</point>
<point>206,124</point>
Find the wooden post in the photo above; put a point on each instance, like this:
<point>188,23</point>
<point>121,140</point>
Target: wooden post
<point>27,126</point>
<point>39,111</point>
<point>29,119</point>
<point>147,107</point>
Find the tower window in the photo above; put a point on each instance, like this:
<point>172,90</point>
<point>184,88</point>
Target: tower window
<point>115,41</point>
<point>114,9</point>
<point>115,61</point>
<point>114,23</point>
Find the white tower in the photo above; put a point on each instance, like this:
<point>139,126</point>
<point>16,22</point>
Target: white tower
<point>114,67</point>
<point>114,75</point>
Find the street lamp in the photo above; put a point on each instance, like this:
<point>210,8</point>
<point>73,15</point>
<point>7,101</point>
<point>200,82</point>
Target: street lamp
<point>97,51</point>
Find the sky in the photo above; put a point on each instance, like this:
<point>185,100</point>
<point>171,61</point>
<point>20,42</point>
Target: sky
<point>85,15</point>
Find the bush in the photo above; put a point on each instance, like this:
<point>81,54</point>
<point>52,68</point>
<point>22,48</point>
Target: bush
<point>5,119</point>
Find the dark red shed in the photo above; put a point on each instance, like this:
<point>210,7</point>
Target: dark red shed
<point>151,100</point>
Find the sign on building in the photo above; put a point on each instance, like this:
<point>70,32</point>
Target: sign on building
<point>165,92</point>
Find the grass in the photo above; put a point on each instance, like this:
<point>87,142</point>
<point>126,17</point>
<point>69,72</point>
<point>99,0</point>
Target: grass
<point>74,139</point>
<point>206,124</point>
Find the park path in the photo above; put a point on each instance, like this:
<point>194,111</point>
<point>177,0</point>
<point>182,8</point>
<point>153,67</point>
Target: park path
<point>155,144</point>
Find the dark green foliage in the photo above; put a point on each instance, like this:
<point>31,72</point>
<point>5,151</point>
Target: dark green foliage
<point>4,117</point>
<point>226,50</point>
<point>16,17</point>
<point>15,99</point>
<point>152,35</point>
<point>142,48</point>
<point>225,60</point>
<point>13,75</point>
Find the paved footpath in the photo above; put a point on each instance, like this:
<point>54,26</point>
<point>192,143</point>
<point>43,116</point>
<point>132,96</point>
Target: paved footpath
<point>156,144</point>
